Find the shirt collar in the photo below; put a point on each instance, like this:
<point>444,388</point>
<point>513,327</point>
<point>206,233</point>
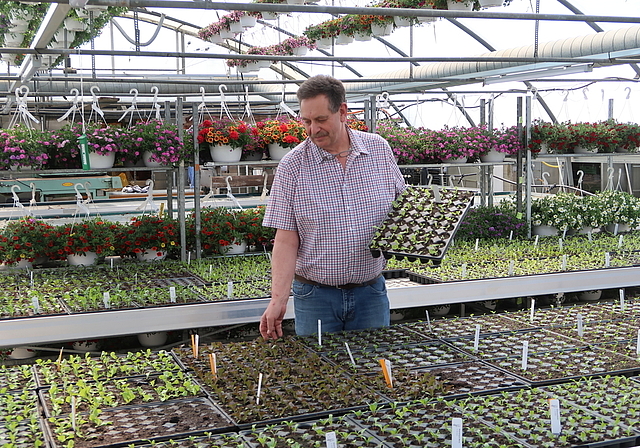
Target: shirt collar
<point>319,155</point>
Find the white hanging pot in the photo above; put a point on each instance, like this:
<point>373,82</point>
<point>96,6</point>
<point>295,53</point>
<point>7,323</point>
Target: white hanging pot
<point>343,39</point>
<point>276,151</point>
<point>146,158</point>
<point>13,39</point>
<point>226,34</point>
<point>250,67</point>
<point>101,162</point>
<point>22,353</point>
<point>590,296</point>
<point>82,259</point>
<point>235,27</point>
<point>225,153</point>
<point>426,19</point>
<point>324,43</point>
<point>216,39</point>
<point>362,37</point>
<point>269,15</point>
<point>401,21</point>
<point>234,249</point>
<point>456,160</point>
<point>300,51</point>
<point>383,29</point>
<point>8,57</point>
<point>150,255</point>
<point>583,150</point>
<point>490,3</point>
<point>155,339</point>
<point>453,5</point>
<point>295,2</point>
<point>492,156</point>
<point>248,21</point>
<point>72,24</point>
<point>19,27</point>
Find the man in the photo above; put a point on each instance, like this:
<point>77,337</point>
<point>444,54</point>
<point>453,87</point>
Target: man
<point>328,195</point>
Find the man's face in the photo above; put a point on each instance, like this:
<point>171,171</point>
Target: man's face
<point>324,127</point>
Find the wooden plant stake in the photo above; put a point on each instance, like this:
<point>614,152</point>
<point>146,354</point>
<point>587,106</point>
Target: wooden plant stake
<point>386,371</point>
<point>195,340</point>
<point>214,366</point>
<point>59,360</point>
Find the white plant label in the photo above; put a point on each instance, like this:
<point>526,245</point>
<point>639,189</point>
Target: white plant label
<point>564,262</point>
<point>259,388</point>
<point>607,259</point>
<point>436,193</point>
<point>456,432</point>
<point>172,294</point>
<point>525,354</point>
<point>428,321</point>
<point>554,409</point>
<point>615,229</point>
<point>210,270</point>
<point>512,266</point>
<point>535,241</point>
<point>580,325</point>
<point>560,244</point>
<point>229,290</point>
<point>476,339</point>
<point>111,262</point>
<point>464,270</point>
<point>532,311</point>
<point>189,257</point>
<point>31,278</point>
<point>620,240</point>
<point>589,236</point>
<point>564,235</point>
<point>353,361</point>
<point>73,412</point>
<point>638,344</point>
<point>511,235</point>
<point>477,241</point>
<point>35,303</point>
<point>319,333</point>
<point>621,299</point>
<point>106,299</point>
<point>331,440</point>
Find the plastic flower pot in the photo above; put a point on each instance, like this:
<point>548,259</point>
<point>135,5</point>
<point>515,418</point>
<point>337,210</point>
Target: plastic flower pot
<point>82,259</point>
<point>151,255</point>
<point>276,151</point>
<point>100,162</point>
<point>146,158</point>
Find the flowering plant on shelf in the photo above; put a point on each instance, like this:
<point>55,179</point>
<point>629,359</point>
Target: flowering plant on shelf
<point>91,235</point>
<point>21,146</point>
<point>618,207</point>
<point>556,137</point>
<point>160,139</point>
<point>26,239</point>
<point>357,124</point>
<point>504,140</point>
<point>628,135</point>
<point>409,145</point>
<point>221,227</point>
<point>225,131</point>
<point>155,232</point>
<point>287,132</point>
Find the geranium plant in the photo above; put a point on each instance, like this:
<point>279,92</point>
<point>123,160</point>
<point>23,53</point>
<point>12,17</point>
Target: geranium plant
<point>91,235</point>
<point>286,132</point>
<point>225,131</point>
<point>221,227</point>
<point>154,232</point>
<point>25,239</point>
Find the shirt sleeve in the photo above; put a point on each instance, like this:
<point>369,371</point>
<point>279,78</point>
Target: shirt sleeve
<point>279,213</point>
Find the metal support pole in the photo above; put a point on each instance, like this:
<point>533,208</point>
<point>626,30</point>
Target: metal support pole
<point>367,115</point>
<point>181,198</point>
<point>522,139</point>
<point>528,172</point>
<point>374,112</point>
<point>167,117</point>
<point>610,114</point>
<point>483,111</point>
<point>196,180</point>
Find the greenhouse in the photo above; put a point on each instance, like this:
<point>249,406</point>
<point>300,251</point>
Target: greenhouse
<point>175,175</point>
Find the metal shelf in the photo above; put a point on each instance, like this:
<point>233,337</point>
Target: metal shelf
<point>46,329</point>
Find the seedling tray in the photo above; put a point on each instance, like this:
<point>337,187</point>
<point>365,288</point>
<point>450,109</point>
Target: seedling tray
<point>452,328</point>
<point>421,224</point>
<point>16,378</point>
<point>137,424</point>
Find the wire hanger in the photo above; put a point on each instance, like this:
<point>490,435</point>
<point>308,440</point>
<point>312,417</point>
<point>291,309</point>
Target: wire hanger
<point>148,203</point>
<point>22,114</point>
<point>73,109</point>
<point>95,105</point>
<point>81,206</point>
<point>155,106</point>
<point>133,108</point>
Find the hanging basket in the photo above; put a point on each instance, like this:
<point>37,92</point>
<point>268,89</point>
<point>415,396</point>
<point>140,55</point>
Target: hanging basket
<point>248,21</point>
<point>225,154</point>
<point>493,156</point>
<point>362,37</point>
<point>150,255</point>
<point>453,5</point>
<point>401,21</point>
<point>277,152</point>
<point>584,150</point>
<point>324,43</point>
<point>236,27</point>
<point>384,29</point>
<point>490,3</point>
<point>82,259</point>
<point>146,158</point>
<point>269,15</point>
<point>72,24</point>
<point>101,162</point>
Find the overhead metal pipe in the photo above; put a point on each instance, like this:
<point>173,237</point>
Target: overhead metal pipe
<point>326,9</point>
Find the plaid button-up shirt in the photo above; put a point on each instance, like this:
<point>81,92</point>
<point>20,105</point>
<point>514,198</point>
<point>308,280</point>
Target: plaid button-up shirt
<point>335,210</point>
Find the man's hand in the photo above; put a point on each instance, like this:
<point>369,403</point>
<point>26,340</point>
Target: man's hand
<point>271,321</point>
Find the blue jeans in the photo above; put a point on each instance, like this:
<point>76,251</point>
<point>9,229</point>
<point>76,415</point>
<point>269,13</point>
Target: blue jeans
<point>339,309</point>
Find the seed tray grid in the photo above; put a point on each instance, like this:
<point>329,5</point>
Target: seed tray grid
<point>16,378</point>
<point>546,368</point>
<point>451,328</point>
<point>602,331</point>
<point>28,431</point>
<point>136,424</point>
<point>431,218</point>
<point>504,345</point>
<point>227,440</point>
<point>525,415</point>
<point>567,315</point>
<point>413,356</point>
<point>428,425</point>
<point>110,366</point>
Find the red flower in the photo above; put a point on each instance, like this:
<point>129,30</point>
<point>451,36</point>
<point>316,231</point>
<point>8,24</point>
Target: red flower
<point>233,135</point>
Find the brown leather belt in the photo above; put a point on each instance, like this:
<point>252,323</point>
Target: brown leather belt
<point>301,279</point>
